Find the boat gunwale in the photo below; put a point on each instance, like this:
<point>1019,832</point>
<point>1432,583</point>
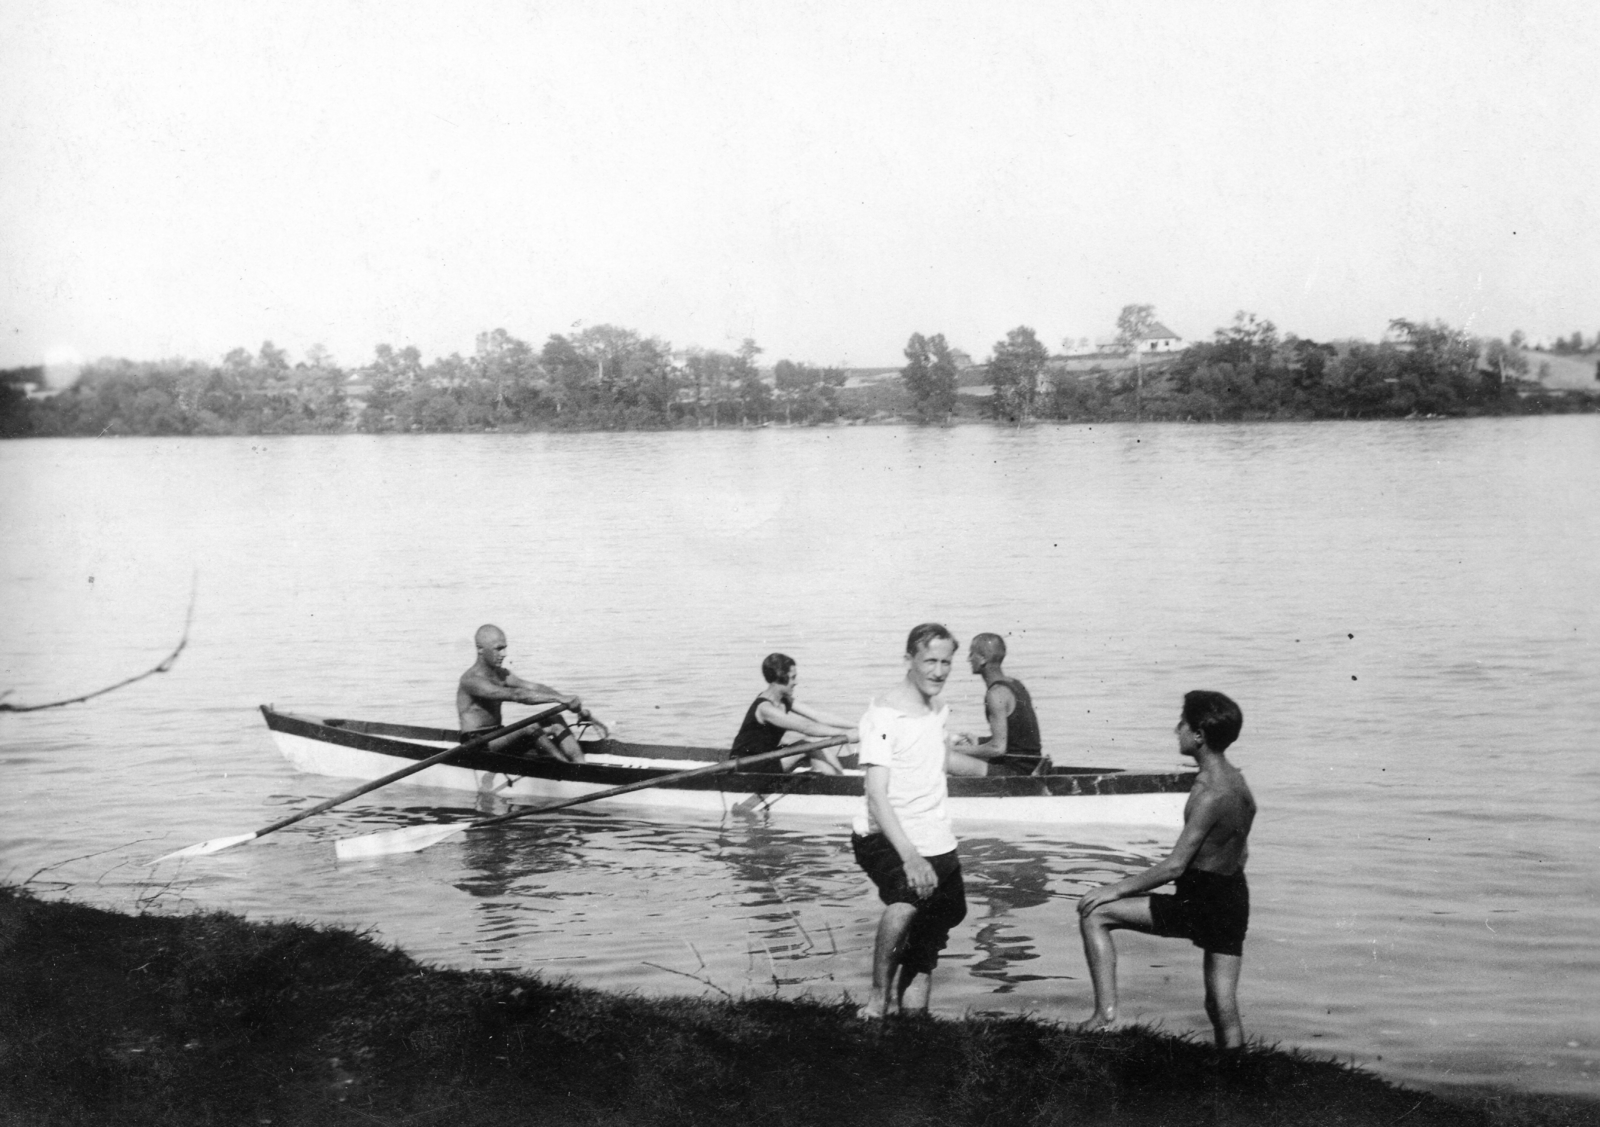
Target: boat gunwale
<point>391,739</point>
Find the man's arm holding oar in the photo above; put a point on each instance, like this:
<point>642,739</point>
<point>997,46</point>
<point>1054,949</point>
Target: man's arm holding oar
<point>217,844</point>
<point>413,839</point>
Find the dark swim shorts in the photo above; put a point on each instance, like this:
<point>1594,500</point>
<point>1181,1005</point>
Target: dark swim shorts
<point>1210,910</point>
<point>943,908</point>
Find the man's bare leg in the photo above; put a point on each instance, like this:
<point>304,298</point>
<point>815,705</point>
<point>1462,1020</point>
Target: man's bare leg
<point>1101,953</point>
<point>559,743</point>
<point>960,763</point>
<point>517,743</point>
<point>571,750</point>
<point>891,939</point>
<point>1222,999</point>
<point>824,763</point>
<point>915,987</point>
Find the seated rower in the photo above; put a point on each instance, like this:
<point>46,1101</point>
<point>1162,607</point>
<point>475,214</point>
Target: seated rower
<point>488,684</point>
<point>1012,746</point>
<point>775,713</point>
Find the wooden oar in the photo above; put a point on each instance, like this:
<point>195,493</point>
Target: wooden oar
<point>412,839</point>
<point>217,844</point>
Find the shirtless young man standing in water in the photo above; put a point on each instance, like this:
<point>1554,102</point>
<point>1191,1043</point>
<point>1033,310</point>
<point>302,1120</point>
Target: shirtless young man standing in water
<point>1212,905</point>
<point>489,684</point>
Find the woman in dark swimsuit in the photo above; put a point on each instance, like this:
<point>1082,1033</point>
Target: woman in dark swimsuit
<point>774,714</point>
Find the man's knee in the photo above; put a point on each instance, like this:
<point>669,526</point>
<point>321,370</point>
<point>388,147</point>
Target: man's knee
<point>895,924</point>
<point>1099,918</point>
<point>1132,913</point>
<point>960,763</point>
<point>899,915</point>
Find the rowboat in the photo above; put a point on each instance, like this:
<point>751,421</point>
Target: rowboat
<point>362,749</point>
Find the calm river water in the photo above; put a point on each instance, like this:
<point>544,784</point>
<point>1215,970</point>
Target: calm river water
<point>1405,611</point>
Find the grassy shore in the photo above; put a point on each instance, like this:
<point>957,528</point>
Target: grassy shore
<point>208,1019</point>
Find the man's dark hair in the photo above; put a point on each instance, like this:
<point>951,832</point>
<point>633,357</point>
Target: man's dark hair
<point>775,668</point>
<point>1214,716</point>
<point>927,633</point>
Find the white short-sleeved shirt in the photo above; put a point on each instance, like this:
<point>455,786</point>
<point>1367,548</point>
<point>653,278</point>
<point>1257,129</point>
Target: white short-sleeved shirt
<point>912,747</point>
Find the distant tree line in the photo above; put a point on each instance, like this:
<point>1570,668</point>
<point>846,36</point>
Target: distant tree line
<point>1249,371</point>
<point>607,377</point>
<point>1575,343</point>
<point>603,377</point>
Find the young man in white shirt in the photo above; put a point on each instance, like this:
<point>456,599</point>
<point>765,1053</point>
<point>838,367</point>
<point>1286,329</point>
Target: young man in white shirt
<point>903,839</point>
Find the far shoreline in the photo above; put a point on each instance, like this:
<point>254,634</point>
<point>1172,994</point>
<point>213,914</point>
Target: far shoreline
<point>1563,406</point>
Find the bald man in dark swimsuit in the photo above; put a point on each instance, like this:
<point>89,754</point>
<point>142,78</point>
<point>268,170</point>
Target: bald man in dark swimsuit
<point>489,684</point>
<point>1012,746</point>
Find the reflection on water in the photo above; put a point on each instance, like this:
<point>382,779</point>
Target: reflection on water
<point>751,904</point>
<point>1007,877</point>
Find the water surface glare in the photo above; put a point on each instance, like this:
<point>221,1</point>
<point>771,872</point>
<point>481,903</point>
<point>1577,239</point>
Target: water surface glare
<point>1405,611</point>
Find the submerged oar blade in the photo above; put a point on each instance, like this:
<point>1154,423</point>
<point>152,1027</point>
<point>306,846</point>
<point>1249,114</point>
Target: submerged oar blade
<point>411,839</point>
<point>215,845</point>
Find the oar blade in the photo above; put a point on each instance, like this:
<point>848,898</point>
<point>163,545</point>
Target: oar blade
<point>410,839</point>
<point>215,845</point>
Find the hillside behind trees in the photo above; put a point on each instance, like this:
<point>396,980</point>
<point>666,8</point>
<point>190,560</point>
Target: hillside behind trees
<point>1249,371</point>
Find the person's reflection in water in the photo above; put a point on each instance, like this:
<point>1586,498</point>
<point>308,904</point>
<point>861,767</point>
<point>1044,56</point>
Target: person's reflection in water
<point>506,871</point>
<point>1009,878</point>
<point>500,859</point>
<point>1012,877</point>
<point>539,887</point>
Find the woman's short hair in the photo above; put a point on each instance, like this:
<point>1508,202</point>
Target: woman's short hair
<point>775,668</point>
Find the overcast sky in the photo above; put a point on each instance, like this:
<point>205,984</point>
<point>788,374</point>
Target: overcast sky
<point>181,178</point>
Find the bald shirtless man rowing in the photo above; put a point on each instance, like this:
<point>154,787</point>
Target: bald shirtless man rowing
<point>489,684</point>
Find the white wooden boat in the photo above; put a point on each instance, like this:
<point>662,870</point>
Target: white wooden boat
<point>360,749</point>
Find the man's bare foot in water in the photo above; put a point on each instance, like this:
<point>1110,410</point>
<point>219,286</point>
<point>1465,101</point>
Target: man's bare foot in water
<point>1100,1023</point>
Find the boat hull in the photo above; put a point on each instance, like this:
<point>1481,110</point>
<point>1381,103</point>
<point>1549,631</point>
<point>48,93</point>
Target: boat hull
<point>367,750</point>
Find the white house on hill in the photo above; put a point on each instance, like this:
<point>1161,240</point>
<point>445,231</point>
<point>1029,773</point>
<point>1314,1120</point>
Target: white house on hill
<point>1159,338</point>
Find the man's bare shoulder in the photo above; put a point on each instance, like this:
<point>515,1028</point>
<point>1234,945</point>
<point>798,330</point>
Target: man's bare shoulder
<point>1233,785</point>
<point>1222,799</point>
<point>477,675</point>
<point>1218,793</point>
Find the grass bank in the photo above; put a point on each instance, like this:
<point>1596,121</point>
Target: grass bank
<point>208,1019</point>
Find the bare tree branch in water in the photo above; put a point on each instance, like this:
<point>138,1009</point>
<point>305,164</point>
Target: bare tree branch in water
<point>82,857</point>
<point>696,977</point>
<point>162,666</point>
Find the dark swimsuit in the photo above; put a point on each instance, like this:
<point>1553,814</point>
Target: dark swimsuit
<point>1024,749</point>
<point>756,736</point>
<point>937,912</point>
<point>1210,910</point>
